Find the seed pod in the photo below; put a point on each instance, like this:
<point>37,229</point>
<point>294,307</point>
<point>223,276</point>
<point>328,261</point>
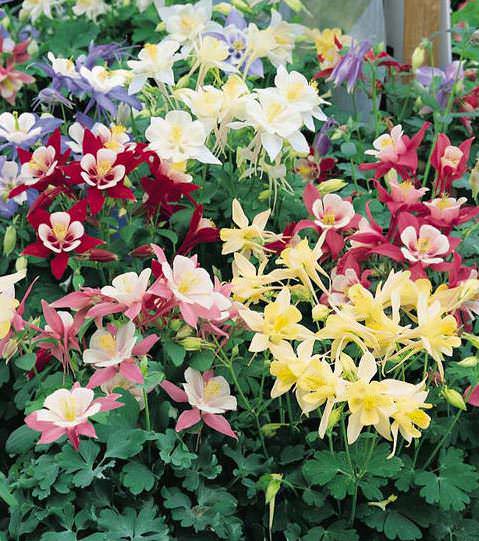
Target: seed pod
<point>454,398</point>
<point>9,240</point>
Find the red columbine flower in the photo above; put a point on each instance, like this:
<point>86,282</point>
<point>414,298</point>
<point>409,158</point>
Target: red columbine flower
<point>43,167</point>
<point>104,171</point>
<point>449,161</point>
<point>200,230</point>
<point>395,151</point>
<point>61,234</point>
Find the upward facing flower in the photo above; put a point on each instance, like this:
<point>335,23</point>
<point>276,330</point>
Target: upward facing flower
<point>210,398</point>
<point>179,138</point>
<point>186,22</point>
<point>67,412</point>
<point>449,161</point>
<point>34,9</point>
<point>90,8</point>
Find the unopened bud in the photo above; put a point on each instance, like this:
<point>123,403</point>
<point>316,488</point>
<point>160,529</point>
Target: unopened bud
<point>331,185</point>
<point>144,250</point>
<point>300,293</point>
<point>98,254</point>
<point>9,240</point>
<point>418,57</point>
<point>454,398</point>
<point>32,48</point>
<point>320,312</point>
<point>175,324</point>
<point>21,264</point>
<point>184,331</point>
<point>10,349</point>
<point>264,195</point>
<point>475,37</point>
<point>348,365</point>
<point>469,362</point>
<point>270,429</point>
<point>474,180</point>
<point>334,418</point>
<point>192,343</point>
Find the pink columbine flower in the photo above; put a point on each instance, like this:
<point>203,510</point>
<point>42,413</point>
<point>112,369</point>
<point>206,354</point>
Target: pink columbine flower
<point>208,395</point>
<point>113,351</point>
<point>100,171</point>
<point>445,209</point>
<point>389,146</point>
<point>406,192</point>
<point>332,212</point>
<point>340,284</point>
<point>40,166</point>
<point>68,412</point>
<point>126,294</point>
<point>427,247</point>
<point>190,287</point>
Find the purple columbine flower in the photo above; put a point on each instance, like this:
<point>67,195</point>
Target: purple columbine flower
<point>108,53</point>
<point>350,67</point>
<point>52,97</point>
<point>428,75</point>
<point>234,35</point>
<point>322,142</point>
<point>9,179</point>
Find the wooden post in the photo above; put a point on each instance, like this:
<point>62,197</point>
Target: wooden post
<point>422,19</point>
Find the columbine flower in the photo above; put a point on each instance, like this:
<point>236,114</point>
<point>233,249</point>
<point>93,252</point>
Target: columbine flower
<point>186,22</point>
<point>429,246</point>
<point>449,161</point>
<point>155,61</point>
<point>35,8</point>
<point>113,137</point>
<point>350,67</point>
<point>300,95</point>
<point>427,76</point>
<point>247,238</point>
<point>90,8</point>
<point>179,138</point>
<point>283,36</point>
<point>328,43</point>
<point>210,398</point>
<point>60,233</point>
<point>67,413</point>
<point>8,303</point>
<point>332,212</point>
<point>405,192</point>
<point>369,401</point>
<point>389,146</point>
<point>63,67</point>
<point>127,292</point>
<point>279,322</point>
<point>445,210</point>
<point>99,171</point>
<point>101,79</point>
<point>9,180</point>
<point>19,129</point>
<point>410,401</point>
<point>112,352</point>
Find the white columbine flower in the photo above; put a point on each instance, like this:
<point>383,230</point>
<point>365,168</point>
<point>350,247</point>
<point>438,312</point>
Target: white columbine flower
<point>178,138</point>
<point>155,61</point>
<point>101,79</point>
<point>33,9</point>
<point>63,66</point>
<point>284,35</point>
<point>109,349</point>
<point>300,95</point>
<point>90,8</point>
<point>18,129</point>
<point>186,22</point>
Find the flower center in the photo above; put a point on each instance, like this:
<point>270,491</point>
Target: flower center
<point>329,218</point>
<point>108,344</point>
<point>212,389</point>
<point>60,231</point>
<point>423,245</point>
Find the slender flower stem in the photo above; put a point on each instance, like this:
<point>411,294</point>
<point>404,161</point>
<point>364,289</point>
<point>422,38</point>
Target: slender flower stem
<point>442,440</point>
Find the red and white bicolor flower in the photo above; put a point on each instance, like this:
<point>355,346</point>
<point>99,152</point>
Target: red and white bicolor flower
<point>427,246</point>
<point>332,212</point>
<point>61,234</point>
<point>100,171</point>
<point>41,165</point>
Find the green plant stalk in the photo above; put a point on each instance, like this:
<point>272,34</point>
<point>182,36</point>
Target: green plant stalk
<point>442,440</point>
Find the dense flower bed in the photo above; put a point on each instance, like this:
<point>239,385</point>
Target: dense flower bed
<point>231,308</point>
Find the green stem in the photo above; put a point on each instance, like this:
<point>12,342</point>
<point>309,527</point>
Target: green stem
<point>147,421</point>
<point>353,472</point>
<point>442,440</point>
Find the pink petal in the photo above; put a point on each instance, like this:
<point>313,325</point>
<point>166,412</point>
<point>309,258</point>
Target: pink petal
<point>52,434</point>
<point>174,392</point>
<point>473,397</point>
<point>104,309</point>
<point>109,402</point>
<point>86,429</point>
<point>133,311</point>
<point>101,376</point>
<point>143,347</point>
<point>130,371</point>
<point>219,423</point>
<point>187,419</point>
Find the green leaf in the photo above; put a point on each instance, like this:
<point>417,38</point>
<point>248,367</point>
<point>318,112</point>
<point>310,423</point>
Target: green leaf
<point>133,526</point>
<point>202,360</point>
<point>349,149</point>
<point>173,450</point>
<point>58,536</point>
<point>5,493</point>
<point>81,462</point>
<point>454,481</point>
<point>26,362</point>
<point>21,440</point>
<point>126,443</point>
<point>174,352</point>
<point>137,477</point>
<point>393,524</point>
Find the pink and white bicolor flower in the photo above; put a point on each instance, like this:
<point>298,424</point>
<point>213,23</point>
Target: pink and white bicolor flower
<point>100,171</point>
<point>67,412</point>
<point>388,146</point>
<point>445,209</point>
<point>332,212</point>
<point>428,246</point>
<point>41,165</point>
<point>63,234</point>
<point>208,395</point>
<point>113,351</point>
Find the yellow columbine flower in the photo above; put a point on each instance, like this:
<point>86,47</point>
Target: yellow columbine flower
<point>369,402</point>
<point>247,238</point>
<point>279,322</point>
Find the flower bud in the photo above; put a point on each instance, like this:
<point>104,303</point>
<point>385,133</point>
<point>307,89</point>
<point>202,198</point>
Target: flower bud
<point>184,332</point>
<point>98,254</point>
<point>469,362</point>
<point>32,48</point>
<point>454,398</point>
<point>334,418</point>
<point>300,293</point>
<point>264,195</point>
<point>270,429</point>
<point>474,39</point>
<point>331,185</point>
<point>160,27</point>
<point>175,324</point>
<point>349,366</point>
<point>21,264</point>
<point>10,349</point>
<point>145,250</point>
<point>320,312</point>
<point>418,57</point>
<point>192,343</point>
<point>474,180</point>
<point>9,240</point>
<point>321,144</point>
